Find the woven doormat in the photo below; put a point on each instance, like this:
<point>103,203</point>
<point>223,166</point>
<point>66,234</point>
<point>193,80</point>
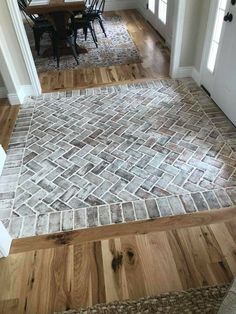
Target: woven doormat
<point>195,301</point>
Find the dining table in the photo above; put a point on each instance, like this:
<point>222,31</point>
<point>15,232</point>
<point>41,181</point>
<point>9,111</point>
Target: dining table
<point>57,9</point>
<point>49,6</point>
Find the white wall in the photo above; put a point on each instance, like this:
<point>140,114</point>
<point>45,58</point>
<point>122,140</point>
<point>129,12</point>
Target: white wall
<point>120,4</point>
<point>195,25</point>
<point>204,14</point>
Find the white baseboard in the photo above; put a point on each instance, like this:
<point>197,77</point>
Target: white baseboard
<point>5,241</point>
<point>24,91</point>
<point>3,92</point>
<point>196,76</point>
<point>184,72</point>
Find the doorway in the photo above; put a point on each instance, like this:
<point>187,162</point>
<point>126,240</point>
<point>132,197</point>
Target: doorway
<point>160,16</point>
<point>219,64</point>
<point>176,40</point>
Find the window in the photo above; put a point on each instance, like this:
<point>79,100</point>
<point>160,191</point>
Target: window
<point>216,35</point>
<point>151,5</point>
<point>162,10</point>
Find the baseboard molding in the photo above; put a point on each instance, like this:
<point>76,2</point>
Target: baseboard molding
<point>3,92</point>
<point>184,72</point>
<point>23,92</point>
<point>196,76</point>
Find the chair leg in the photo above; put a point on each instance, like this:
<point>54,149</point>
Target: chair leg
<point>53,45</point>
<point>37,37</point>
<point>92,31</point>
<point>70,41</point>
<point>102,26</point>
<point>75,38</point>
<point>56,50</point>
<point>85,30</point>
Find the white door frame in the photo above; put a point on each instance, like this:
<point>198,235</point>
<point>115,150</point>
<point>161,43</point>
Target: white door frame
<point>24,45</point>
<point>27,55</point>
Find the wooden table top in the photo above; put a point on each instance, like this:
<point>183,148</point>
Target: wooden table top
<point>55,6</point>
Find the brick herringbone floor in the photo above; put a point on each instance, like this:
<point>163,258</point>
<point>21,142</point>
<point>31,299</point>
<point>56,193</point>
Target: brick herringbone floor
<point>116,154</point>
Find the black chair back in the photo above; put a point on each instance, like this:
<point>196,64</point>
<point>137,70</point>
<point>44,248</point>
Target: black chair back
<point>100,6</point>
<point>92,7</point>
<point>96,6</point>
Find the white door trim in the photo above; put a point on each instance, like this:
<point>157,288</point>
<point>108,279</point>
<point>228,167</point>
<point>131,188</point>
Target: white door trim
<point>176,46</point>
<point>24,45</point>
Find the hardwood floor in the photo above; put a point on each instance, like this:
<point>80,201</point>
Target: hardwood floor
<point>128,267</point>
<point>8,115</point>
<point>155,63</point>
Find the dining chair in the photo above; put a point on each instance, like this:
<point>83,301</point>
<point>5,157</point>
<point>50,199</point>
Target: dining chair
<point>84,21</point>
<point>39,25</point>
<point>62,35</point>
<point>96,13</point>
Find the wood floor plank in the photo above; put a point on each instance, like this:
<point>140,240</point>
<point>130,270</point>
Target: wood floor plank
<point>114,276</point>
<point>163,275</point>
<point>133,266</point>
<point>8,115</point>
